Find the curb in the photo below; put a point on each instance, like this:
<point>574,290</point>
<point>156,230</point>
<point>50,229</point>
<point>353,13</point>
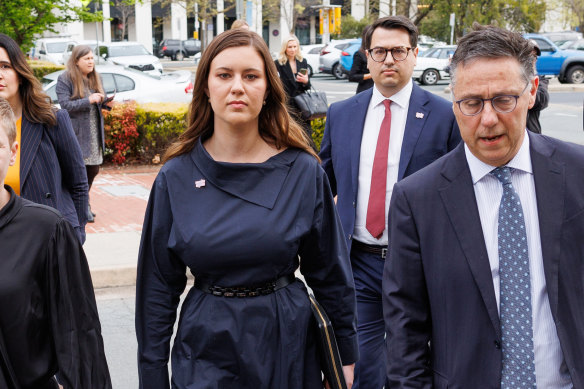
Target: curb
<point>113,277</point>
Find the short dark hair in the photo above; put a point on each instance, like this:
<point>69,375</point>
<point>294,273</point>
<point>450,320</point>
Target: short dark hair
<point>393,22</point>
<point>493,42</point>
<point>7,121</point>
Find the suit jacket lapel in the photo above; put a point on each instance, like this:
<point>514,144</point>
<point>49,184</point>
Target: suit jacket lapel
<point>417,116</point>
<point>355,127</point>
<point>459,199</point>
<point>548,176</point>
<point>31,135</point>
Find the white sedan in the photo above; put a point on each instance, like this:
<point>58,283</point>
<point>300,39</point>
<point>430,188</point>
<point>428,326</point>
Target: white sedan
<point>431,65</point>
<point>312,55</point>
<point>129,84</point>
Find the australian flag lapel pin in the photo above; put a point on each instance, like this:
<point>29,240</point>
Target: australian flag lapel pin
<point>200,183</point>
<point>419,115</point>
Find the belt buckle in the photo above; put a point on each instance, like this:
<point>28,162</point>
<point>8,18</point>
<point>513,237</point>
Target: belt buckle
<point>383,253</point>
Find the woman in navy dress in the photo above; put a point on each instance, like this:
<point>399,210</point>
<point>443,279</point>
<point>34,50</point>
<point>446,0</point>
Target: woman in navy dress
<point>242,202</point>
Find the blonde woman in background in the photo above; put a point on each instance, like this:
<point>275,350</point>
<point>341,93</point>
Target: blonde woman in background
<point>293,71</point>
<point>81,93</point>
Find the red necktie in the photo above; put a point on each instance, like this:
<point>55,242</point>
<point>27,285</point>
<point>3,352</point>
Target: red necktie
<point>375,222</point>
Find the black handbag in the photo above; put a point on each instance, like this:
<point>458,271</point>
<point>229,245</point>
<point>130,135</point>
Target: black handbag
<point>330,359</point>
<point>311,104</point>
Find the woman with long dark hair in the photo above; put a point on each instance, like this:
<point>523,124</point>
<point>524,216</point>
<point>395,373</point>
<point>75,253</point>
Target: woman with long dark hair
<point>81,93</point>
<point>242,202</point>
<point>49,166</point>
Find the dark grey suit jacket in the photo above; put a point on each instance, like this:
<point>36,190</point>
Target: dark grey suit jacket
<point>79,110</point>
<point>439,302</point>
<point>52,171</point>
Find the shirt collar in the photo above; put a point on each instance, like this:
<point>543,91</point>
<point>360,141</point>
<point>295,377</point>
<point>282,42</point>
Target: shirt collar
<point>401,98</point>
<point>479,169</point>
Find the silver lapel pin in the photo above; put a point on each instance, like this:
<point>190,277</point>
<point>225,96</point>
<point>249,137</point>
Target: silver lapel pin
<point>200,183</point>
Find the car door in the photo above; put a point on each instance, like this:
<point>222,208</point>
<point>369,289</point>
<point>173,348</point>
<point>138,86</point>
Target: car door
<point>550,61</point>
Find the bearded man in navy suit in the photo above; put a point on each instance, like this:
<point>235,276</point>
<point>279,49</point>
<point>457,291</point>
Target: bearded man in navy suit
<point>484,286</point>
<point>371,141</point>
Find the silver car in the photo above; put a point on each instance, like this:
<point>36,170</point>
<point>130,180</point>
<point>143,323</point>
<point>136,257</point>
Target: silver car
<point>330,57</point>
<point>130,84</point>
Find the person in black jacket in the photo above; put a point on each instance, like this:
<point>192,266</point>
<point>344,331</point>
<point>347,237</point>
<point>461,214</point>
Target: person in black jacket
<point>542,97</point>
<point>293,71</point>
<point>359,72</point>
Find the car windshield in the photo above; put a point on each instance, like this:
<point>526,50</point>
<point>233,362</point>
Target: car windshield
<point>57,47</point>
<point>123,51</point>
<point>46,81</point>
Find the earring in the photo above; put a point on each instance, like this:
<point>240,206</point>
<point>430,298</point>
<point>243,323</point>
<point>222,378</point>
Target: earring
<point>264,102</point>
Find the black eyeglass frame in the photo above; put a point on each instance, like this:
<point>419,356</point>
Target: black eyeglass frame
<point>516,97</point>
<point>390,50</point>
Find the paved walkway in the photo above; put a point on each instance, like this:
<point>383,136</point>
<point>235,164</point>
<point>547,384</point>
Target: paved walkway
<point>118,197</point>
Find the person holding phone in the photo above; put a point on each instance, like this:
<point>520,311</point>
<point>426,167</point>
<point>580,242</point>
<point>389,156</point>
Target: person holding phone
<point>293,71</point>
<point>81,93</point>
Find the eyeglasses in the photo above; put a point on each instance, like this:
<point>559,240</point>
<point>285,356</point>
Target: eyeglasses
<point>378,54</point>
<point>502,104</point>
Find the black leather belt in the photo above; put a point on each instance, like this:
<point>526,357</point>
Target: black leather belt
<point>244,291</point>
<point>369,248</point>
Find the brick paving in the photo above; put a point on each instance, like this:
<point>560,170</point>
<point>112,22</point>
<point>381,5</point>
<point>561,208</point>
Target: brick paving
<point>119,197</point>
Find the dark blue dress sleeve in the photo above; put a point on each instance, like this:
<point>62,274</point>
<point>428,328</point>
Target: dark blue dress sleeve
<point>325,264</point>
<point>160,281</point>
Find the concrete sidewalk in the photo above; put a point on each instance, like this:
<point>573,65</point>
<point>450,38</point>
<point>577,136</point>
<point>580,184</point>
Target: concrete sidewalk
<point>118,197</point>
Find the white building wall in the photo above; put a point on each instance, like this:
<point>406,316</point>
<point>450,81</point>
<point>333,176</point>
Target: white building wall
<point>358,9</point>
<point>143,24</point>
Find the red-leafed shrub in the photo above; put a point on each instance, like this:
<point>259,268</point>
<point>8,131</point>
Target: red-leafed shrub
<point>121,132</point>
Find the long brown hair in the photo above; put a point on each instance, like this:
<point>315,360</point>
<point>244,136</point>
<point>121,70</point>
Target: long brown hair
<point>275,125</point>
<point>79,82</point>
<point>36,105</point>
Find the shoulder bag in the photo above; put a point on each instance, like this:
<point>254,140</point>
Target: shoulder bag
<point>312,104</point>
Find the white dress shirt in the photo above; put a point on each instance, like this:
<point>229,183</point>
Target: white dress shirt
<point>400,103</point>
<point>550,367</point>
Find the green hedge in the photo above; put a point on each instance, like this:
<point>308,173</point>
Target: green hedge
<point>42,68</point>
<point>141,133</point>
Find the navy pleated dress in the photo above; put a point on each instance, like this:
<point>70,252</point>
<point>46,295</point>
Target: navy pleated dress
<point>239,225</point>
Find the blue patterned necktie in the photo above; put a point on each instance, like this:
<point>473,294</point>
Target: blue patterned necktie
<point>515,290</point>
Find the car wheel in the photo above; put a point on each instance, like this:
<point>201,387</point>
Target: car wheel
<point>575,74</point>
<point>430,77</point>
<point>338,72</point>
<point>309,71</point>
<point>180,56</point>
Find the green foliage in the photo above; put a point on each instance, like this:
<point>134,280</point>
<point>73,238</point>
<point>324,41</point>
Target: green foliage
<point>516,15</point>
<point>42,68</point>
<point>159,125</point>
<point>22,20</point>
<point>317,131</point>
<point>351,27</point>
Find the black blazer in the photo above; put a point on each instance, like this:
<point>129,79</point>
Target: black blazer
<point>437,283</point>
<point>358,70</point>
<point>79,110</point>
<point>291,86</point>
<point>52,171</point>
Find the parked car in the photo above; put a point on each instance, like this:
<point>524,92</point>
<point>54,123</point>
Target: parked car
<point>131,54</point>
<point>573,45</point>
<point>312,54</point>
<point>91,43</point>
<point>130,84</point>
<point>567,65</point>
<point>177,50</point>
<point>347,55</point>
<point>431,65</point>
<point>330,58</point>
<point>51,49</point>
